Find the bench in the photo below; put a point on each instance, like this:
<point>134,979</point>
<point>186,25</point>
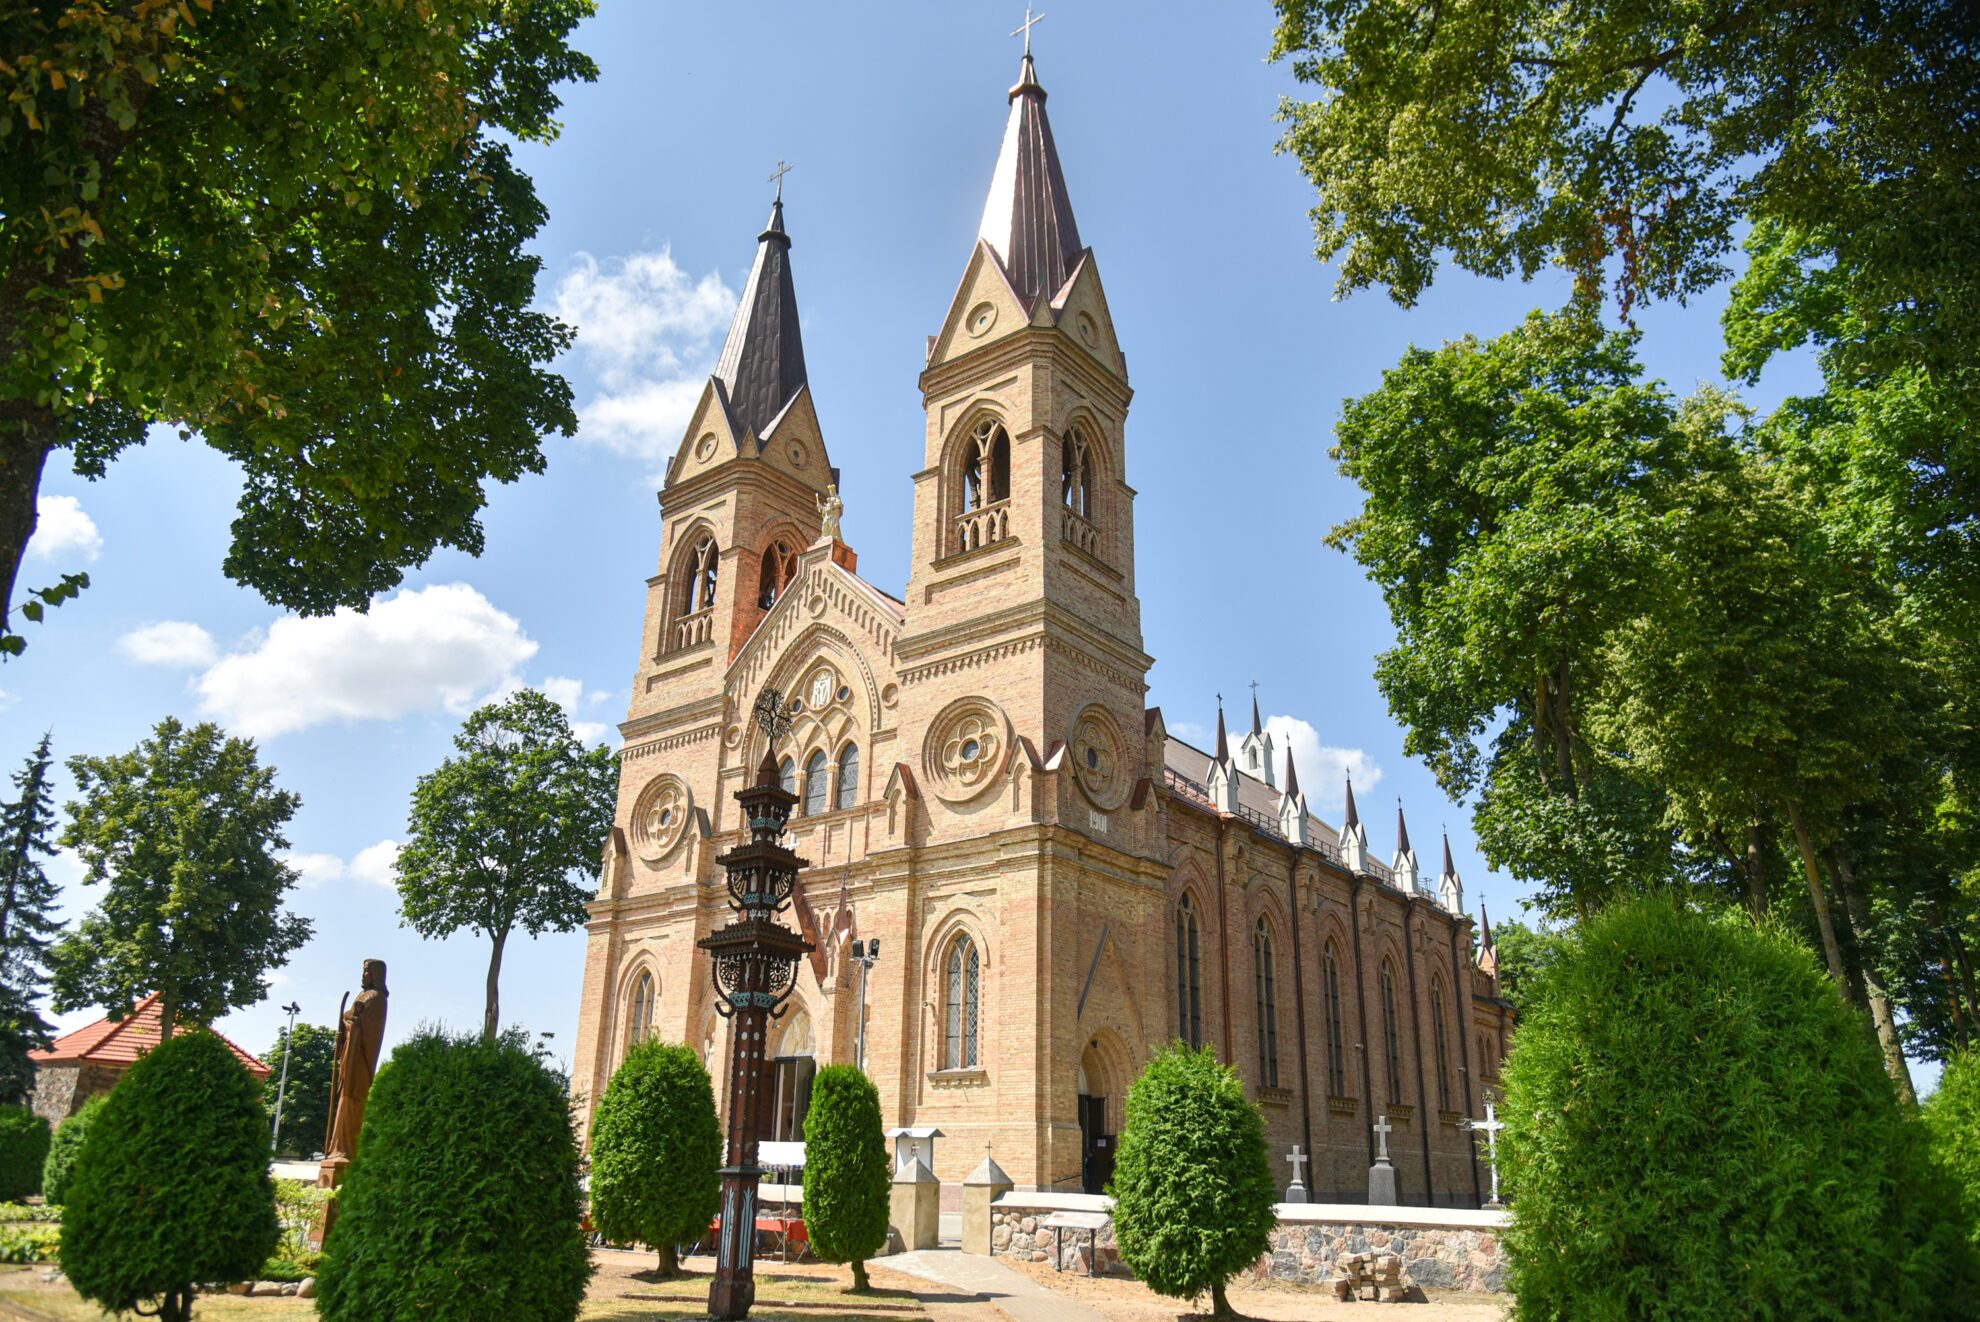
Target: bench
<point>1091,1222</point>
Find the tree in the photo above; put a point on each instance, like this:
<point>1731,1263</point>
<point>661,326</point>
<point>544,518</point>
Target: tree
<point>497,833</point>
<point>312,1055</point>
<point>297,230</point>
<point>847,1178</point>
<point>463,1203</point>
<point>656,1152</point>
<point>23,1152</point>
<point>1952,1115</point>
<point>184,833</point>
<point>64,1146</point>
<point>172,1187</point>
<point>1524,954</point>
<point>1193,1189</point>
<point>27,922</point>
<point>1697,1126</point>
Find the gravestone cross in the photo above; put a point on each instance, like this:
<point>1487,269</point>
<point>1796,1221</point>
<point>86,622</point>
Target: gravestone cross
<point>1382,1176</point>
<point>1296,1193</point>
<point>1490,1127</point>
<point>1383,1129</point>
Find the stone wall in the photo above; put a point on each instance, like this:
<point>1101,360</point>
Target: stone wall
<point>1452,1250</point>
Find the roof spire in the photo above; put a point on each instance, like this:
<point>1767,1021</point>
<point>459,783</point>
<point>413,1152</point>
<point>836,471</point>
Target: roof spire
<point>762,363</point>
<point>1353,817</point>
<point>1292,775</point>
<point>1402,830</point>
<point>1449,867</point>
<point>1256,726</point>
<point>1028,218</point>
<point>1223,740</point>
<point>1485,926</point>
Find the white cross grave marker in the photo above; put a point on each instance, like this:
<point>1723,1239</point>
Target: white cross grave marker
<point>1297,1161</point>
<point>1490,1127</point>
<point>1383,1129</point>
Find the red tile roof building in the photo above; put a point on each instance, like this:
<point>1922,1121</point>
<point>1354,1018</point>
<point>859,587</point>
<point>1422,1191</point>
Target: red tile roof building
<point>91,1060</point>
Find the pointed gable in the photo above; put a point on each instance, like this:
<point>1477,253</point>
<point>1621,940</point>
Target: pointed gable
<point>1028,217</point>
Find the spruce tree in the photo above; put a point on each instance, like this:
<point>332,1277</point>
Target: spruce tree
<point>27,899</point>
<point>846,1175</point>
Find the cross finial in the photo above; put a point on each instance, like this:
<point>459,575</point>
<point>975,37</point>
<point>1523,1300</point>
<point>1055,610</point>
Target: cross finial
<point>1025,28</point>
<point>777,177</point>
<point>1254,689</point>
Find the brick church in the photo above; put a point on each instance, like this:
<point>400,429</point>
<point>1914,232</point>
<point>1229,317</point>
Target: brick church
<point>1058,884</point>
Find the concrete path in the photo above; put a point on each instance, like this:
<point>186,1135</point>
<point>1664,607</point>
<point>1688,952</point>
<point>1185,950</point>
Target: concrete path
<point>1015,1294</point>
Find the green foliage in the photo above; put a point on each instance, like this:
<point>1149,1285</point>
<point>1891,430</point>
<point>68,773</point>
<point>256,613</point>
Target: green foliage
<point>312,1055</point>
<point>30,1214</point>
<point>65,1145</point>
<point>172,1184</point>
<point>356,330</point>
<point>1524,954</point>
<point>1192,1186</point>
<point>24,1143</point>
<point>297,1207</point>
<point>847,1173</point>
<point>185,834</point>
<point>499,836</point>
<point>1952,1114</point>
<point>1698,1126</point>
<point>28,899</point>
<point>463,1203</point>
<point>29,1244</point>
<point>656,1150</point>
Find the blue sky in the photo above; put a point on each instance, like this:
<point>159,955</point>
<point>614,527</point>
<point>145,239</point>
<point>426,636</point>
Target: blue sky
<point>892,115</point>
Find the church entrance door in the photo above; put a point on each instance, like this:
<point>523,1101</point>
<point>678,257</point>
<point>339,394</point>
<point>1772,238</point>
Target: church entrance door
<point>1096,1144</point>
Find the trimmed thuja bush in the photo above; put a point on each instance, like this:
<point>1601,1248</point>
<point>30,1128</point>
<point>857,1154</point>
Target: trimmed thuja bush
<point>846,1175</point>
<point>1953,1116</point>
<point>63,1147</point>
<point>463,1202</point>
<point>1192,1187</point>
<point>171,1187</point>
<point>1697,1125</point>
<point>656,1152</point>
<point>23,1152</point>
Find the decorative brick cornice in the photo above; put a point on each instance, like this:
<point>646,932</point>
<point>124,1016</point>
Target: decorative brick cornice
<point>668,743</point>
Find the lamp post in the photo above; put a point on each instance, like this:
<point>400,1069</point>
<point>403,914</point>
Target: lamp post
<point>282,1089</point>
<point>864,954</point>
<point>753,962</point>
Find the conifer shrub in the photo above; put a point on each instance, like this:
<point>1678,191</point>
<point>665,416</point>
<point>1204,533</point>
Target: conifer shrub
<point>1953,1116</point>
<point>1698,1125</point>
<point>463,1201</point>
<point>64,1145</point>
<point>23,1152</point>
<point>847,1175</point>
<point>171,1186</point>
<point>1192,1187</point>
<point>656,1151</point>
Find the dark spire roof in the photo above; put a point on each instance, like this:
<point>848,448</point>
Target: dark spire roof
<point>1485,921</point>
<point>1450,868</point>
<point>1353,817</point>
<point>1256,727</point>
<point>1292,775</point>
<point>1402,831</point>
<point>1028,218</point>
<point>1223,740</point>
<point>762,365</point>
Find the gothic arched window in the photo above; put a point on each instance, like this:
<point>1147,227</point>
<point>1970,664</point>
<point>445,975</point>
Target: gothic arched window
<point>963,1005</point>
<point>639,1010</point>
<point>1336,1039</point>
<point>1266,976</point>
<point>787,776</point>
<point>1391,1039</point>
<point>1189,976</point>
<point>987,473</point>
<point>1442,1050</point>
<point>778,569</point>
<point>847,793</point>
<point>696,594</point>
<point>816,784</point>
<point>1076,473</point>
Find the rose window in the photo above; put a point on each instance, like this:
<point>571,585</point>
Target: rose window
<point>661,817</point>
<point>970,751</point>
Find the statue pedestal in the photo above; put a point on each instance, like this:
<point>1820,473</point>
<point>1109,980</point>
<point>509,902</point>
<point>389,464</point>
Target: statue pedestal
<point>330,1171</point>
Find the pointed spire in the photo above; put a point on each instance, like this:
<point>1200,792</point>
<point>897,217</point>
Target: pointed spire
<point>1257,727</point>
<point>1353,817</point>
<point>1292,775</point>
<point>762,364</point>
<point>1402,831</point>
<point>1485,926</point>
<point>1028,219</point>
<point>1450,868</point>
<point>1223,740</point>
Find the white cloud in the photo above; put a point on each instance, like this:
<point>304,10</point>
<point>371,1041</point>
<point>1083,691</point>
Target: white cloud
<point>316,868</point>
<point>1190,732</point>
<point>443,646</point>
<point>169,643</point>
<point>648,333</point>
<point>62,531</point>
<point>1323,769</point>
<point>376,863</point>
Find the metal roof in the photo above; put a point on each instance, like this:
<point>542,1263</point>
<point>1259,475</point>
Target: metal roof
<point>762,364</point>
<point>1028,219</point>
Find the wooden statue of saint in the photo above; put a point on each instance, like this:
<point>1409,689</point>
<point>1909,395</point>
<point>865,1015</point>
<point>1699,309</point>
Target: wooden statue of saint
<point>360,1034</point>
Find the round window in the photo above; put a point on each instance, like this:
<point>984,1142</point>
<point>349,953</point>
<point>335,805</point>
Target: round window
<point>970,749</point>
<point>845,692</point>
<point>705,446</point>
<point>797,456</point>
<point>666,817</point>
<point>981,318</point>
<point>1092,756</point>
<point>797,704</point>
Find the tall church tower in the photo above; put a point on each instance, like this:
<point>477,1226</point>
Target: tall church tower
<point>1023,569</point>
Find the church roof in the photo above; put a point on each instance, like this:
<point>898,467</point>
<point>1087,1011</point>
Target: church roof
<point>1193,764</point>
<point>762,365</point>
<point>1292,775</point>
<point>123,1041</point>
<point>1028,219</point>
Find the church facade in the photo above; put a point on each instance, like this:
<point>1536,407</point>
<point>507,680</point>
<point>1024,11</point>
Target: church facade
<point>1058,885</point>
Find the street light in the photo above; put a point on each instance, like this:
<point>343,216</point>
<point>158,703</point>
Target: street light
<point>281,1089</point>
<point>865,953</point>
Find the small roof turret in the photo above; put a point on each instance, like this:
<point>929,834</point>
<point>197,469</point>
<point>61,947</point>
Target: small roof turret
<point>1223,739</point>
<point>1292,775</point>
<point>1402,831</point>
<point>1353,817</point>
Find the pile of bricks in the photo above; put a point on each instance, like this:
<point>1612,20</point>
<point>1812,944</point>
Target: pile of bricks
<point>1380,1273</point>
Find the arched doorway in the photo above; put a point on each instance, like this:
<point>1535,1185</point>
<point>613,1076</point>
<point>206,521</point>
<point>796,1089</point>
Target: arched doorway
<point>793,1066</point>
<point>1098,1116</point>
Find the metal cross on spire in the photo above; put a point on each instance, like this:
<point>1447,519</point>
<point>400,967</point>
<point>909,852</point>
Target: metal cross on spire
<point>777,177</point>
<point>1025,28</point>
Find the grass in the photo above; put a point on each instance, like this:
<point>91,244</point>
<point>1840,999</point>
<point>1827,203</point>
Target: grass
<point>25,1297</point>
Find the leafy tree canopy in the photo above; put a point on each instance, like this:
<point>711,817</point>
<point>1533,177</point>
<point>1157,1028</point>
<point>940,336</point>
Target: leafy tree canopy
<point>297,230</point>
<point>65,1146</point>
<point>498,834</point>
<point>185,835</point>
<point>311,1057</point>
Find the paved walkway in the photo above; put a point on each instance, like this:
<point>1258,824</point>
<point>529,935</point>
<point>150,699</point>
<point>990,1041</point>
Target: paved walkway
<point>1015,1294</point>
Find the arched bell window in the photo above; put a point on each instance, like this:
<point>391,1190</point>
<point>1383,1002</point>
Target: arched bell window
<point>963,1005</point>
<point>817,784</point>
<point>1076,473</point>
<point>779,567</point>
<point>1336,1038</point>
<point>696,593</point>
<point>639,1010</point>
<point>1391,1034</point>
<point>1189,976</point>
<point>846,793</point>
<point>987,473</point>
<point>1266,976</point>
